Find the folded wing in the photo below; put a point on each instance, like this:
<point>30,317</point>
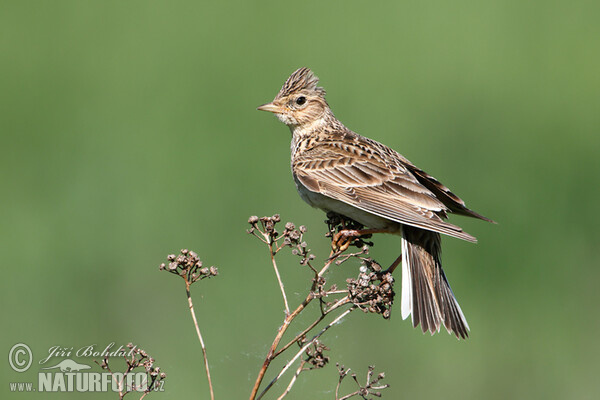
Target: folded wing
<point>372,179</point>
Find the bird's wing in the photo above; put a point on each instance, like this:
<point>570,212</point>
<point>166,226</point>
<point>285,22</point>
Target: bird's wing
<point>450,200</point>
<point>361,175</point>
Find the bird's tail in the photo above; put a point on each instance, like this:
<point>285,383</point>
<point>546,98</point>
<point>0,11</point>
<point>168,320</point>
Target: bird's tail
<point>426,294</point>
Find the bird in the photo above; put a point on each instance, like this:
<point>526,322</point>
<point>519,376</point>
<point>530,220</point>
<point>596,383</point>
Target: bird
<point>337,170</point>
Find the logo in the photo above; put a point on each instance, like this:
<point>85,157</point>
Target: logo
<point>86,369</point>
<point>20,357</point>
<point>69,366</point>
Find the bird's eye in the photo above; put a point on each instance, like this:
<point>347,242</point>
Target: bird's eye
<point>301,100</point>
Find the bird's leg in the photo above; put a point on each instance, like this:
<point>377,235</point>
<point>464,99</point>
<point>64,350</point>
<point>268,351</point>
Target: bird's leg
<point>344,238</point>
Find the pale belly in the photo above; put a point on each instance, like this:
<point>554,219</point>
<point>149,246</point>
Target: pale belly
<point>327,204</point>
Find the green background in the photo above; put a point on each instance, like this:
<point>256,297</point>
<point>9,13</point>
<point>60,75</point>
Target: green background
<point>129,130</point>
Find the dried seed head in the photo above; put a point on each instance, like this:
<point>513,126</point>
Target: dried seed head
<point>372,290</point>
<point>135,359</point>
<point>189,266</point>
<point>315,355</point>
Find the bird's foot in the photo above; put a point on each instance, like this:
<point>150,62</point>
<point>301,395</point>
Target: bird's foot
<point>346,237</point>
<point>343,239</point>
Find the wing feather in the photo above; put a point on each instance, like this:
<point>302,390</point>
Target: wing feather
<point>372,179</point>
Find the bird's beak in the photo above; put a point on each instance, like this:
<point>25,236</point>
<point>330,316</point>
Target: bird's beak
<point>270,107</point>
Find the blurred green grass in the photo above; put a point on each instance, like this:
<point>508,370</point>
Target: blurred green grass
<point>129,131</point>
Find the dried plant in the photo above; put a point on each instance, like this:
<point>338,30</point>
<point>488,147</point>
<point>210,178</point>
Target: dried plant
<point>371,387</point>
<point>371,291</point>
<point>134,359</point>
<point>189,266</point>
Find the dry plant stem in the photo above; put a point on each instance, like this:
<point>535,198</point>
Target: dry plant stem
<point>189,296</point>
<point>280,332</point>
<point>338,304</point>
<point>395,264</point>
<point>358,392</point>
<point>283,328</point>
<point>332,257</point>
<point>270,243</point>
<point>293,380</point>
<point>119,383</point>
<point>348,395</point>
<point>362,391</point>
<point>337,388</point>
<point>303,349</point>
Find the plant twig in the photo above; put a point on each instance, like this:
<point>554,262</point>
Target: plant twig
<point>189,297</point>
<point>188,266</point>
<point>371,292</point>
<point>338,304</point>
<point>293,380</point>
<point>136,358</point>
<point>283,328</point>
<point>371,386</point>
<point>280,332</point>
<point>285,302</point>
<point>303,349</point>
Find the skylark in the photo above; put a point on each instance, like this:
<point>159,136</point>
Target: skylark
<point>338,170</point>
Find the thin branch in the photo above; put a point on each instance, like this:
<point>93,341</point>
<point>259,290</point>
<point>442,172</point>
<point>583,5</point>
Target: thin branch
<point>293,380</point>
<point>331,292</point>
<point>337,388</point>
<point>259,237</point>
<point>119,383</point>
<point>338,304</point>
<point>331,258</point>
<point>287,307</point>
<point>286,323</point>
<point>280,332</point>
<point>370,387</point>
<point>187,291</point>
<point>303,349</point>
<point>348,395</point>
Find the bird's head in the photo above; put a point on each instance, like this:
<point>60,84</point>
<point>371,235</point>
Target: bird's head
<point>299,102</point>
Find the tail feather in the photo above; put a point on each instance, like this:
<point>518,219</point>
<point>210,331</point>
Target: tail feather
<point>426,294</point>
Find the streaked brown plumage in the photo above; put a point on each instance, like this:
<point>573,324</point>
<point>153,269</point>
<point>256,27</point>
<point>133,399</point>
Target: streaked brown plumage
<point>338,170</point>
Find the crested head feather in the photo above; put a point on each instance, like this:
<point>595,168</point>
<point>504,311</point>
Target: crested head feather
<point>302,79</point>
